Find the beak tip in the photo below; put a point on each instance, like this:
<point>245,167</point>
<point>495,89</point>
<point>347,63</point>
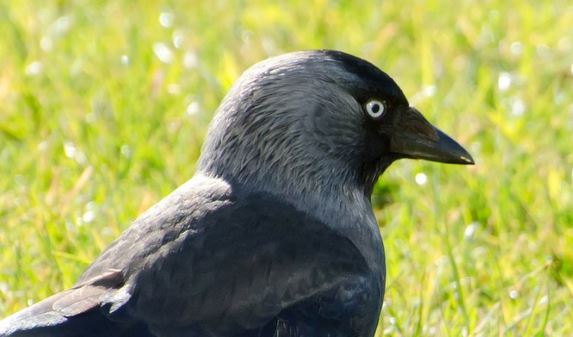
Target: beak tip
<point>452,149</point>
<point>467,160</point>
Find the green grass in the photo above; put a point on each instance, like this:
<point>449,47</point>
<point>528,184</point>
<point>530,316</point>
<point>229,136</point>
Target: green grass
<point>95,128</point>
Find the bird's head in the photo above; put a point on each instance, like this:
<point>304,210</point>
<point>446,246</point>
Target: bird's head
<point>319,120</point>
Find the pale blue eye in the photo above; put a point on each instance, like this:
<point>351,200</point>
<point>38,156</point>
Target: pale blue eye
<point>375,108</point>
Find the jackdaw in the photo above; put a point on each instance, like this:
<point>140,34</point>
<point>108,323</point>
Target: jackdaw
<point>275,234</point>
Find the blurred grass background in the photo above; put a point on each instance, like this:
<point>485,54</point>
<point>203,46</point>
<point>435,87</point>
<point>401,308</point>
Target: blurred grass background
<point>104,106</point>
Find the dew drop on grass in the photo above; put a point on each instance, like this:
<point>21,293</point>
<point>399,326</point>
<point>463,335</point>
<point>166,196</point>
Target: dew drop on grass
<point>69,149</point>
<point>124,59</point>
<point>125,151</point>
<point>88,216</point>
<point>46,44</point>
<point>166,19</point>
<point>513,294</point>
<point>504,81</point>
<point>34,68</point>
<point>72,152</point>
<point>163,52</point>
<point>432,331</point>
<point>429,90</point>
<point>62,25</point>
<point>43,146</point>
<point>517,107</point>
<point>426,92</point>
<point>516,48</point>
<point>192,109</point>
<point>190,60</point>
<point>177,39</point>
<point>421,179</point>
<point>470,230</point>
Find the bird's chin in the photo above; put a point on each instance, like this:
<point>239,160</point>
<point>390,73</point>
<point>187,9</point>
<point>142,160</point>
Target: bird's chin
<point>372,171</point>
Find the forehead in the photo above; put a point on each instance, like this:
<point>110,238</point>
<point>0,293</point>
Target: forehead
<point>364,80</point>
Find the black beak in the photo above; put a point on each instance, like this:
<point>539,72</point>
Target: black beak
<point>414,137</point>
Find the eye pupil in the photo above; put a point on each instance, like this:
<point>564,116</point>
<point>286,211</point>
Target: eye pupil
<point>375,108</point>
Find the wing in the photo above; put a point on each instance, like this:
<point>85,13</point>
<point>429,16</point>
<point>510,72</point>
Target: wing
<point>95,306</point>
<point>80,311</point>
<point>209,260</point>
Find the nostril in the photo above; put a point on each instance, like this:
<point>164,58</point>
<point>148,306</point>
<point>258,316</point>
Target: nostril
<point>412,120</point>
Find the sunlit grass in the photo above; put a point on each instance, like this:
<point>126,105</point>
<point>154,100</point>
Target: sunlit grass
<point>104,105</point>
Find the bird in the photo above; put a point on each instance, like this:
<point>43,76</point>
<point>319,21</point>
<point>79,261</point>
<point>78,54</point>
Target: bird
<point>274,235</point>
